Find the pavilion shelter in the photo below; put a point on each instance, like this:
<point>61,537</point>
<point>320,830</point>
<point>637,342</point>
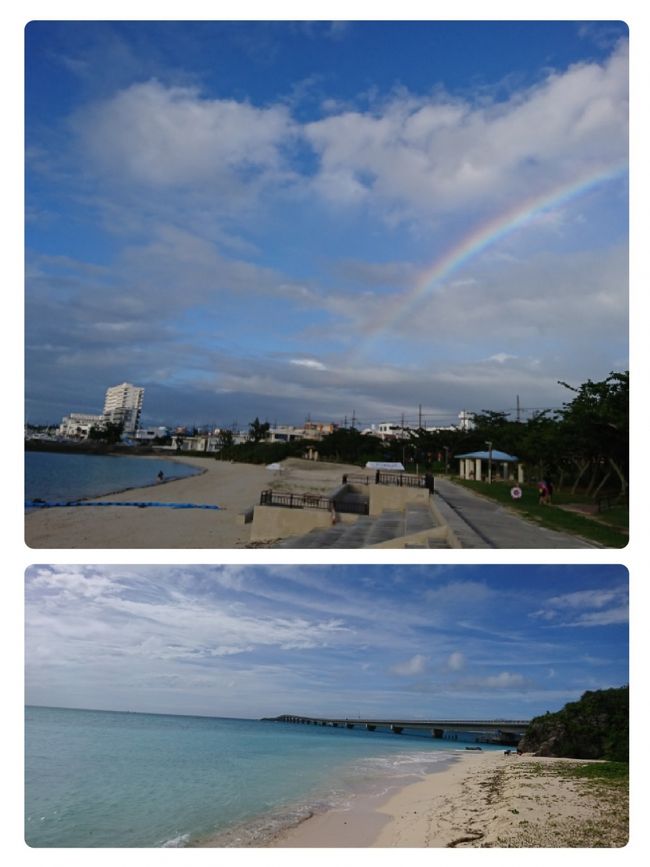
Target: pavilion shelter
<point>475,465</point>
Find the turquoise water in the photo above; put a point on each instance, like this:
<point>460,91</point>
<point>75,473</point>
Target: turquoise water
<point>53,476</point>
<point>101,778</point>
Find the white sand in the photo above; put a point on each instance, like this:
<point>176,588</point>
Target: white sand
<point>482,800</point>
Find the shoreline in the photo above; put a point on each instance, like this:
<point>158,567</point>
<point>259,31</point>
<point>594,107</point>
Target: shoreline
<point>234,487</point>
<point>482,800</point>
<point>154,484</point>
<point>350,816</point>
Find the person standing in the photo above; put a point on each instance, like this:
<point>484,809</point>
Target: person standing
<point>542,490</point>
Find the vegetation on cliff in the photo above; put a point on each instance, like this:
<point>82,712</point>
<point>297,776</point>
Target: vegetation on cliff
<point>595,727</point>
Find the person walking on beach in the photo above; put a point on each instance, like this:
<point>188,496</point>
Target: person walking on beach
<point>161,476</point>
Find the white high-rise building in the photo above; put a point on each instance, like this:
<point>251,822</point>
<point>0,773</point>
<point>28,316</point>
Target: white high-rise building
<point>123,405</point>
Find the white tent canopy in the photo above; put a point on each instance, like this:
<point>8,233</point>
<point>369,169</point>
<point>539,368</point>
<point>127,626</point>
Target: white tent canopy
<point>395,466</point>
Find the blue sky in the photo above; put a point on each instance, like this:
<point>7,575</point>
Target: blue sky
<point>240,216</point>
<point>251,641</point>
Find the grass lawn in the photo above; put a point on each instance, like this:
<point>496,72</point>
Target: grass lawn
<point>607,529</point>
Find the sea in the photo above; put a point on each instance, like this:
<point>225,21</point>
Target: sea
<point>119,779</point>
<point>60,477</point>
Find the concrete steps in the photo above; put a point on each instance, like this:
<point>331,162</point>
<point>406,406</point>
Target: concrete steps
<point>366,531</point>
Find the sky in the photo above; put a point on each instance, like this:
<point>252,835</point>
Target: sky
<point>321,219</point>
<point>498,641</point>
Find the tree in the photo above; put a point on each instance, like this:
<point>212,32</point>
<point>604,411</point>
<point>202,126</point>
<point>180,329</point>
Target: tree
<point>541,446</point>
<point>595,427</point>
<point>225,438</point>
<point>110,432</point>
<point>595,727</point>
<point>351,446</point>
<point>257,430</point>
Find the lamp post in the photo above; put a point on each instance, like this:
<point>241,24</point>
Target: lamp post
<point>489,445</point>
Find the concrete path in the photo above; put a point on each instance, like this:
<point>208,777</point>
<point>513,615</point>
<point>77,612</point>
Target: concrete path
<point>482,523</point>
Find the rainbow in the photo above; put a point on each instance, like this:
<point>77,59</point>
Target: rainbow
<point>480,239</point>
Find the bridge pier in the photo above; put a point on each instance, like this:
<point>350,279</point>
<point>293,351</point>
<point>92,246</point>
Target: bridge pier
<point>506,732</point>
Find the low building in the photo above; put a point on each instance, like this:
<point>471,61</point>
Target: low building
<point>77,425</point>
<point>151,433</point>
<point>311,430</point>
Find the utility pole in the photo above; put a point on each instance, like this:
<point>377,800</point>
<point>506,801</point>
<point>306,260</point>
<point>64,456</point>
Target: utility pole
<point>354,418</point>
<point>518,410</point>
<point>419,416</point>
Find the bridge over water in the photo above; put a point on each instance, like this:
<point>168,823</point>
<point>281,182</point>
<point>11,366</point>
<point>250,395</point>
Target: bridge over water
<point>508,732</point>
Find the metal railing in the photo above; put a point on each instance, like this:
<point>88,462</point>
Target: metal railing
<point>313,501</point>
<point>401,480</point>
<point>295,501</point>
<point>357,479</point>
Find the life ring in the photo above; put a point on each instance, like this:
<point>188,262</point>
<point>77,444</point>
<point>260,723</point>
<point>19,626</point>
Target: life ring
<point>515,492</point>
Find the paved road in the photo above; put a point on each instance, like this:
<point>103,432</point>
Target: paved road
<point>482,523</point>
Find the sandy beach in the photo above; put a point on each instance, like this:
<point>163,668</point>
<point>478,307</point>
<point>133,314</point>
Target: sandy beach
<point>482,800</point>
<point>233,487</point>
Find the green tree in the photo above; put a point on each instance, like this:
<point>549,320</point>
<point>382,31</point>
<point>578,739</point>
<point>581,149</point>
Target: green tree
<point>110,433</point>
<point>351,446</point>
<point>258,430</point>
<point>594,727</point>
<point>225,438</point>
<point>541,446</point>
<point>595,430</point>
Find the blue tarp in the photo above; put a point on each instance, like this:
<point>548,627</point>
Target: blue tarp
<point>41,504</point>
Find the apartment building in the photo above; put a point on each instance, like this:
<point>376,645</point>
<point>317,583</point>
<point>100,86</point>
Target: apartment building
<point>123,405</point>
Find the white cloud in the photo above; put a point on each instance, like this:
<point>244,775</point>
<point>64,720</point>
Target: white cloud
<point>71,582</point>
<point>439,153</point>
<point>504,680</point>
<point>409,155</point>
<point>308,362</point>
<point>456,661</point>
<point>617,615</point>
<point>148,620</point>
<point>586,608</point>
<point>415,665</point>
<point>171,136</point>
<point>501,357</point>
<point>584,599</point>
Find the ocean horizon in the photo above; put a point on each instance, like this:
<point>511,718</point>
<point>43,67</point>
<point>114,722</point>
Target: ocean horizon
<point>97,778</point>
<point>63,476</point>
